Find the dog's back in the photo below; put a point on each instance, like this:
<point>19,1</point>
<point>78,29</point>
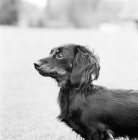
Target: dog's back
<point>116,110</point>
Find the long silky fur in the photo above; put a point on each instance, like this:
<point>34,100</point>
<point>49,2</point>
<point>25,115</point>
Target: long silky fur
<point>94,112</point>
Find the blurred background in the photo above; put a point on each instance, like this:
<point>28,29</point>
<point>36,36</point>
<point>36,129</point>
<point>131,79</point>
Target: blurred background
<point>29,29</point>
<point>69,13</point>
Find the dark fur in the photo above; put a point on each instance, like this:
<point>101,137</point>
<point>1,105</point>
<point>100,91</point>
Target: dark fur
<point>94,112</point>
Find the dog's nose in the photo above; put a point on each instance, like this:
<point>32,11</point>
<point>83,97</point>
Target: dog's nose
<point>37,64</point>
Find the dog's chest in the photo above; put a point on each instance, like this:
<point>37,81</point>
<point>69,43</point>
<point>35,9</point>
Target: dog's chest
<point>75,124</point>
<point>70,113</point>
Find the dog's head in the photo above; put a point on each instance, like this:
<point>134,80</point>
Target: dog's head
<point>73,64</point>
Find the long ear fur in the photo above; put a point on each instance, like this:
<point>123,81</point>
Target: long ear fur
<point>85,66</point>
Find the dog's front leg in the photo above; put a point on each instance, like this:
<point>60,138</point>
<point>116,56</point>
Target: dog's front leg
<point>108,135</point>
<point>95,136</point>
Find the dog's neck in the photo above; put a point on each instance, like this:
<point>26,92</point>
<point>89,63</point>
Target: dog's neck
<point>67,93</point>
<point>63,100</point>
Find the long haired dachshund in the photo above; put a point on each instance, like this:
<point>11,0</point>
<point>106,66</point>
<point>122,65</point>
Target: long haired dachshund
<point>94,112</point>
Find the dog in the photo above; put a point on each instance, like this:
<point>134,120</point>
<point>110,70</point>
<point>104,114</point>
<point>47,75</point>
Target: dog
<point>94,112</point>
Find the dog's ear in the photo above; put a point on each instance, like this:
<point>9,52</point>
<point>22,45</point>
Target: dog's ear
<point>85,66</point>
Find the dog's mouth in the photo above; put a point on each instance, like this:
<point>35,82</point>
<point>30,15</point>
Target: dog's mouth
<point>51,72</point>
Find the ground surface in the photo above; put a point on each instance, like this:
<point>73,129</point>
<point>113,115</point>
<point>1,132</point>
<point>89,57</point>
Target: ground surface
<point>28,101</point>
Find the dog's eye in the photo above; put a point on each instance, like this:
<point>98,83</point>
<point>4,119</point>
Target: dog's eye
<point>59,56</point>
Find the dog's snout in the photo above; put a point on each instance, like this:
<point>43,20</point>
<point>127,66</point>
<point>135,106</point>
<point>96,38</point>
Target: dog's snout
<point>37,64</point>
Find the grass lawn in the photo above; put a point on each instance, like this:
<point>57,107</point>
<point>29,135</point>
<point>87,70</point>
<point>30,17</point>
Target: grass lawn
<point>28,101</point>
